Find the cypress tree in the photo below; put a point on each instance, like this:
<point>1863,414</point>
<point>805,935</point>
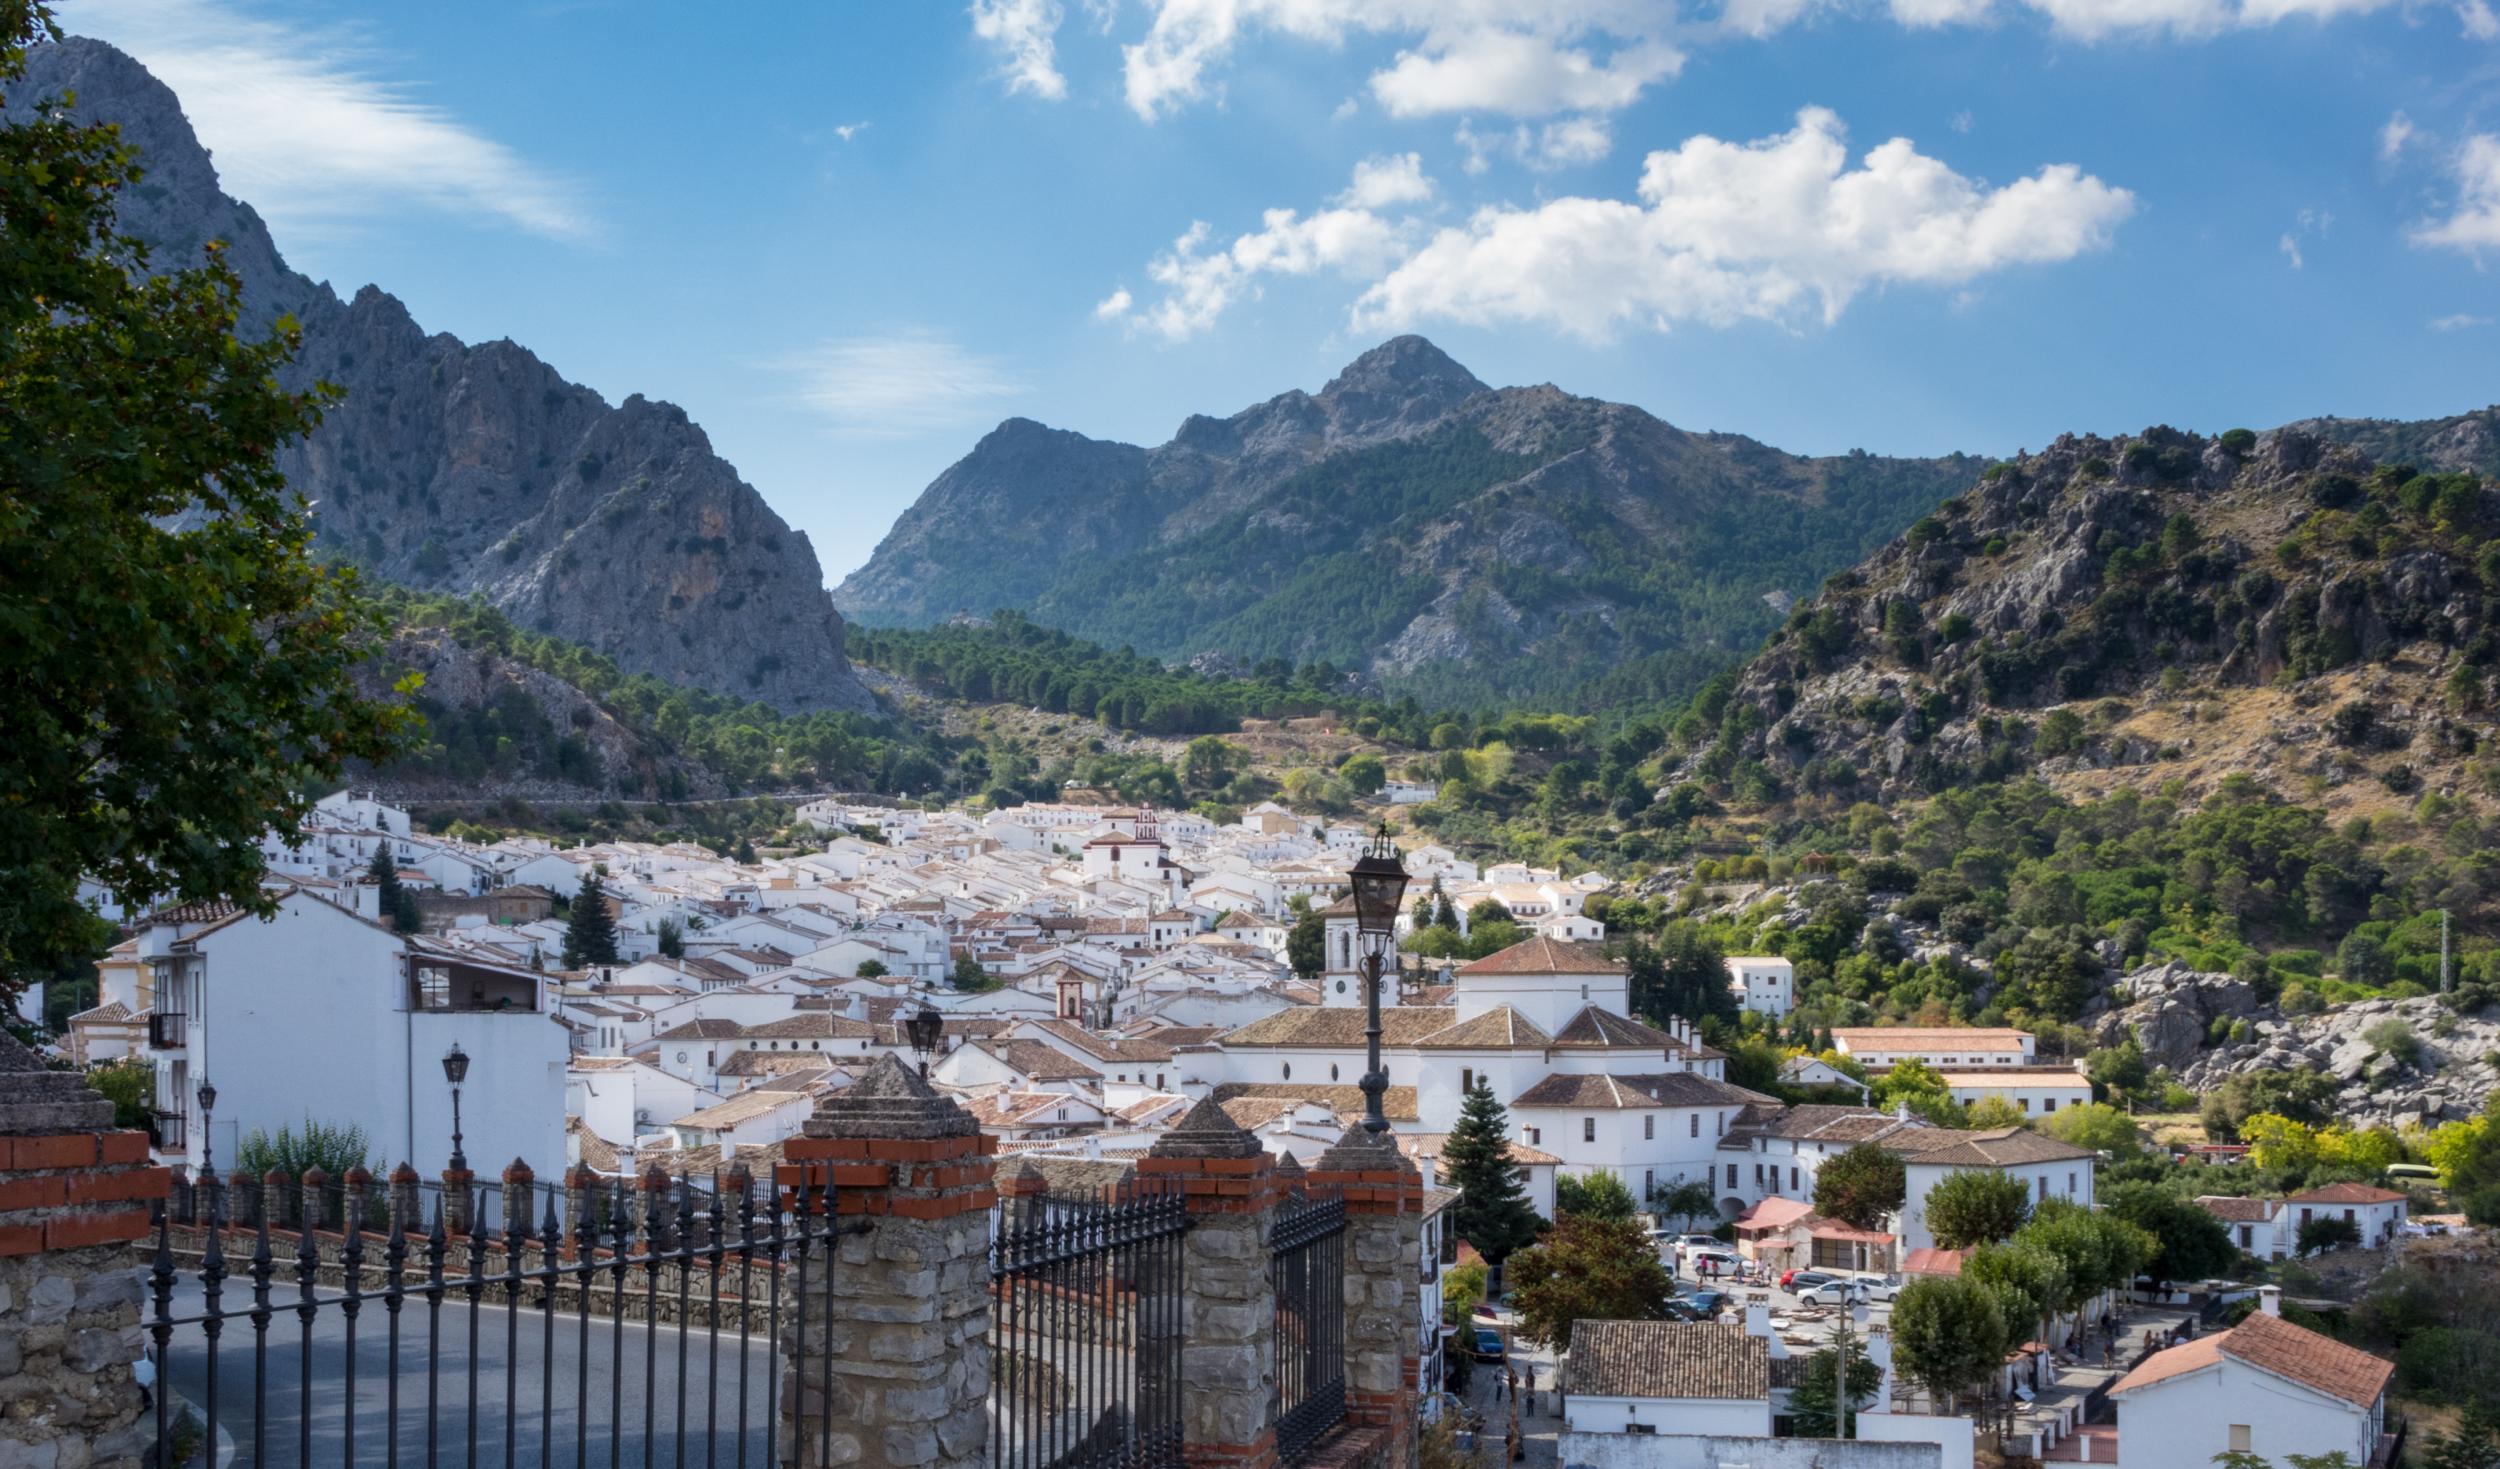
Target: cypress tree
<point>1492,1211</point>
<point>590,930</point>
<point>383,873</point>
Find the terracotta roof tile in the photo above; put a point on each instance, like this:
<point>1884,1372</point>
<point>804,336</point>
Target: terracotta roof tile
<point>1498,1029</point>
<point>1669,1359</point>
<point>1542,955</point>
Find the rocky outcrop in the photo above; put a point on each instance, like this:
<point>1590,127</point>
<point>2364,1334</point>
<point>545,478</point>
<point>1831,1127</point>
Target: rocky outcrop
<point>478,469</point>
<point>2169,1010</point>
<point>2109,577</point>
<point>2452,1074</point>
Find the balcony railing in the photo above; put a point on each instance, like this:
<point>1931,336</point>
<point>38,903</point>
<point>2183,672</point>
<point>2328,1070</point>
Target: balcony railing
<point>168,1130</point>
<point>168,1032</point>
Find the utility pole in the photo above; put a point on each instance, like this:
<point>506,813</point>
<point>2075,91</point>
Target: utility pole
<point>2447,977</point>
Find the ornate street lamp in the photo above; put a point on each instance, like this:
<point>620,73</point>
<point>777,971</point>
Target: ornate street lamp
<point>456,1071</point>
<point>208,1140</point>
<point>924,1031</point>
<point>1379,880</point>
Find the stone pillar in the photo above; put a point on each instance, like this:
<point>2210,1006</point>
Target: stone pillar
<point>1228,1299</point>
<point>74,1195</point>
<point>889,1354</point>
<point>1384,1228</point>
<point>459,1201</point>
<point>405,1213</point>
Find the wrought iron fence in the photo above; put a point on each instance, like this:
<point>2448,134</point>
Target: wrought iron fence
<point>1085,1330</point>
<point>564,1326</point>
<point>1307,1267</point>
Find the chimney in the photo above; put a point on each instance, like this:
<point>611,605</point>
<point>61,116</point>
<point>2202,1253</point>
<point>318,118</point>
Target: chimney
<point>1758,1314</point>
<point>2270,1299</point>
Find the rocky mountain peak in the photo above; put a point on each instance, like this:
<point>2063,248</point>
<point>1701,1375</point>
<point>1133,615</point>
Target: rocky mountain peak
<point>480,470</point>
<point>1404,381</point>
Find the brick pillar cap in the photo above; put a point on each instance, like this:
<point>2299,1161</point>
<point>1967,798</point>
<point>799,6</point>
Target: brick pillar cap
<point>655,1179</point>
<point>891,1102</point>
<point>1207,1132</point>
<point>1363,1151</point>
<point>273,1176</point>
<point>34,1099</point>
<point>314,1177</point>
<point>357,1177</point>
<point>404,1173</point>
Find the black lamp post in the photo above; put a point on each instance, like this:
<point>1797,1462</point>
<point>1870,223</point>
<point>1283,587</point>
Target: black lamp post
<point>208,1140</point>
<point>924,1030</point>
<point>456,1071</point>
<point>1379,880</point>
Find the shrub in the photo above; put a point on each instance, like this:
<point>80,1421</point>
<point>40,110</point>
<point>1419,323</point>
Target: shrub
<point>2394,1039</point>
<point>2239,441</point>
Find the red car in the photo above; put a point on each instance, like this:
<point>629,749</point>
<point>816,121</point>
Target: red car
<point>1799,1279</point>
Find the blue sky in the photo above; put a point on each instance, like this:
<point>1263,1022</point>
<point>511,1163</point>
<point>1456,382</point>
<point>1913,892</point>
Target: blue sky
<point>851,237</point>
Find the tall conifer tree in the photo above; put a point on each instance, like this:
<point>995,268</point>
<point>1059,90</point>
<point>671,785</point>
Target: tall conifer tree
<point>1492,1211</point>
<point>590,930</point>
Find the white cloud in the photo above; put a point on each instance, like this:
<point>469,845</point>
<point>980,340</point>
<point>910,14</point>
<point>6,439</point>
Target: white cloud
<point>1778,229</point>
<point>1564,143</point>
<point>1114,306</point>
<point>1962,121</point>
<point>2479,21</point>
<point>898,385</point>
<point>1387,180</point>
<point>1024,33</point>
<point>1362,233</point>
<point>1519,75</point>
<point>1929,14</point>
<point>2459,322</point>
<point>2307,223</point>
<point>849,130</point>
<point>2394,134</point>
<point>304,129</point>
<point>2474,226</point>
<point>1522,58</point>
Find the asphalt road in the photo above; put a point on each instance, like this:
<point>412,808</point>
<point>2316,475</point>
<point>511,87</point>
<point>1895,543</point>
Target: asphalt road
<point>597,1414</point>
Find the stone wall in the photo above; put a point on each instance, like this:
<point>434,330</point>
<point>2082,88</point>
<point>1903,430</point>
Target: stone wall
<point>74,1194</point>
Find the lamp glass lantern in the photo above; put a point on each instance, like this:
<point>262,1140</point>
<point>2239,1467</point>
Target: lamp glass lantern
<point>925,1029</point>
<point>455,1064</point>
<point>208,1098</point>
<point>1379,881</point>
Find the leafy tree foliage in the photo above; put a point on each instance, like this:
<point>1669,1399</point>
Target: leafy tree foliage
<point>176,669</point>
<point>2191,1244</point>
<point>1587,1268</point>
<point>1492,1211</point>
<point>1600,1194</point>
<point>2095,1125</point>
<point>1976,1206</point>
<point>1948,1334</point>
<point>1306,944</point>
<point>1861,1186</point>
<point>2324,1232</point>
<point>1811,1403</point>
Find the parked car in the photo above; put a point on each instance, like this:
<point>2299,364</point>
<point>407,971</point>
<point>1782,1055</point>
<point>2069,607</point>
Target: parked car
<point>1699,1242</point>
<point>1711,1262</point>
<point>1834,1293</point>
<point>1881,1287</point>
<point>1706,1302</point>
<point>1801,1279</point>
<point>1488,1345</point>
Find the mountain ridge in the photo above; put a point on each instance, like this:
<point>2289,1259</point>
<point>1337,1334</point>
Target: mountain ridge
<point>1502,542</point>
<point>477,469</point>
